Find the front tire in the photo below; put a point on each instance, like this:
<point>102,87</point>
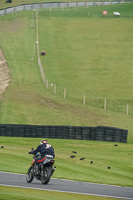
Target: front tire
<point>45,178</point>
<point>30,175</point>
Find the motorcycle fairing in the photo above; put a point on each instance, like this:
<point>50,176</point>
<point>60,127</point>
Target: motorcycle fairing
<point>48,159</point>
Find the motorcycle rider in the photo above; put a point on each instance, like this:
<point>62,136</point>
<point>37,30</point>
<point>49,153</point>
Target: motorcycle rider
<point>45,149</point>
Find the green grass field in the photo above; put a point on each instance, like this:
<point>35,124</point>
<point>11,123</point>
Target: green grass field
<point>103,155</point>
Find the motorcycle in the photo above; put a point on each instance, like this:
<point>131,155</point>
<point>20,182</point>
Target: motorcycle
<point>42,171</point>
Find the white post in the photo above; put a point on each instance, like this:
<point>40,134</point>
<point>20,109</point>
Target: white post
<point>86,4</point>
<point>64,93</point>
<point>84,99</point>
<point>47,84</point>
<point>104,104</point>
<point>54,88</point>
<point>127,109</point>
<point>50,9</point>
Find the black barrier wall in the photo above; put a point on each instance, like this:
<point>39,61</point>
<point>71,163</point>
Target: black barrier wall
<point>99,133</point>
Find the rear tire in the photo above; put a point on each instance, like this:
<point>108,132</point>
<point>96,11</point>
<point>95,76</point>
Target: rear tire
<point>46,175</point>
<point>30,175</point>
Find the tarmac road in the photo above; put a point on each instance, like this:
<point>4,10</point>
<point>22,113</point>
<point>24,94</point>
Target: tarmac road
<point>61,185</point>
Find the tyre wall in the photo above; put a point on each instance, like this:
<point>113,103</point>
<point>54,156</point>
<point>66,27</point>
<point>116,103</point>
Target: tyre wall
<point>99,133</point>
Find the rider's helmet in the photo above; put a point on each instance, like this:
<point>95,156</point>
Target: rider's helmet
<point>43,141</point>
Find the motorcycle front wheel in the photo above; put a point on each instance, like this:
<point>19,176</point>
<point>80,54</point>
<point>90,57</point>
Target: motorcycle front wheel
<point>45,178</point>
<point>29,175</point>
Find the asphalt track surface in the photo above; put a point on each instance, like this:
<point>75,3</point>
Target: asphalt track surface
<point>61,185</point>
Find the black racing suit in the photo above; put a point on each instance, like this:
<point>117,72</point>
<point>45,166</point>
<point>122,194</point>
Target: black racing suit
<point>44,149</point>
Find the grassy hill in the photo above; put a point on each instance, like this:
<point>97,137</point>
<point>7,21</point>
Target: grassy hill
<point>85,53</point>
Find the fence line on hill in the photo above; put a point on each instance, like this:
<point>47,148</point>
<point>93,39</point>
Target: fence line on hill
<point>56,5</point>
<point>38,51</point>
<point>124,106</point>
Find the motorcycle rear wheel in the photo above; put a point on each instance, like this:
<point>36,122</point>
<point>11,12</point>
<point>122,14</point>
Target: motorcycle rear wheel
<point>46,175</point>
<point>30,175</point>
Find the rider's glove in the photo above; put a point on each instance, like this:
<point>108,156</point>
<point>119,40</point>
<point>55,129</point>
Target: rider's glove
<point>30,152</point>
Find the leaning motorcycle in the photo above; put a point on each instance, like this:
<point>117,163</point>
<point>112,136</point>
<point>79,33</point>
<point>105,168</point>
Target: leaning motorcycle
<point>42,171</point>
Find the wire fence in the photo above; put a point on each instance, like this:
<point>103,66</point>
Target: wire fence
<point>57,5</point>
<point>124,106</point>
